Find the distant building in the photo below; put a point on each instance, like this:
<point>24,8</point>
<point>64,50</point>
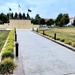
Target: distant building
<point>46,19</point>
<point>71,20</point>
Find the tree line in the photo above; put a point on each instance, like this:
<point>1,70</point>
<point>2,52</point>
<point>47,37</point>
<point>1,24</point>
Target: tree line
<point>4,18</point>
<point>19,16</point>
<point>61,20</point>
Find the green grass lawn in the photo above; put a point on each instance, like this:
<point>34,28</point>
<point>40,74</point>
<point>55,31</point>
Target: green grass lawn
<point>3,37</point>
<point>67,33</point>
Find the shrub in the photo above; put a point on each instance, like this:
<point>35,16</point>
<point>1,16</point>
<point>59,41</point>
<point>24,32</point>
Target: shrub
<point>73,44</point>
<point>7,66</point>
<point>46,34</point>
<point>62,39</point>
<point>9,48</point>
<point>10,44</point>
<point>68,42</point>
<point>51,35</point>
<point>57,38</point>
<point>7,54</point>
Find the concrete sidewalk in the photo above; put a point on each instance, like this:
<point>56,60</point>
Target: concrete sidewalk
<point>40,56</point>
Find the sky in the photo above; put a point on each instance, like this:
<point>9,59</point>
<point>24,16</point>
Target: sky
<point>45,8</point>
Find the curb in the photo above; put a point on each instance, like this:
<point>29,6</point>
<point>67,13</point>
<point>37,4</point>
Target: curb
<point>56,41</point>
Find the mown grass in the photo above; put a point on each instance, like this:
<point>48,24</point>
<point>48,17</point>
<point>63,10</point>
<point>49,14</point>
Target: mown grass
<point>3,37</point>
<point>64,34</point>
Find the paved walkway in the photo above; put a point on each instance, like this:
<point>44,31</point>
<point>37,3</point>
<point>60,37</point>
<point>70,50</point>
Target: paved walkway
<point>40,56</point>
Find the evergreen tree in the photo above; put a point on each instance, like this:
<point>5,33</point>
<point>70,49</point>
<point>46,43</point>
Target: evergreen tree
<point>37,16</point>
<point>20,16</point>
<point>28,16</point>
<point>16,16</point>
<point>24,17</point>
<point>11,15</point>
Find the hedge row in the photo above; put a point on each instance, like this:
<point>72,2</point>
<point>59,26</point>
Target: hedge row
<point>7,64</point>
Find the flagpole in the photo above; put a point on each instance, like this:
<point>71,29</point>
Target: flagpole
<point>18,10</point>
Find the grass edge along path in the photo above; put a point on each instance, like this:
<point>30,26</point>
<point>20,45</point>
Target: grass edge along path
<point>50,33</point>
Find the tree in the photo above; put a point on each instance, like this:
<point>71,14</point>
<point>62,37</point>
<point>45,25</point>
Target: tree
<point>35,21</point>
<point>73,22</point>
<point>66,19</point>
<point>42,21</point>
<point>50,22</point>
<point>37,16</point>
<point>16,16</point>
<point>3,18</point>
<point>8,17</point>
<point>62,20</point>
<point>1,22</point>
<point>24,17</point>
<point>32,20</point>
<point>20,16</point>
<point>57,21</point>
<point>28,16</point>
<point>11,15</point>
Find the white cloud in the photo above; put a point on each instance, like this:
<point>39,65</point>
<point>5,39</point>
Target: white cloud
<point>46,8</point>
<point>42,7</point>
<point>5,7</point>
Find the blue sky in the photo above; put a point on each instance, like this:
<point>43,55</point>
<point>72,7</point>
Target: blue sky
<point>46,8</point>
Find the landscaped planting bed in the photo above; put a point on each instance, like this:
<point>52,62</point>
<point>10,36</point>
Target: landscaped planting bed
<point>3,37</point>
<point>64,34</point>
<point>7,63</point>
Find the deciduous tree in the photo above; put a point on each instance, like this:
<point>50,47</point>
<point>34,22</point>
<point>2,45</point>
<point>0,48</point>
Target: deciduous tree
<point>42,21</point>
<point>50,22</point>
